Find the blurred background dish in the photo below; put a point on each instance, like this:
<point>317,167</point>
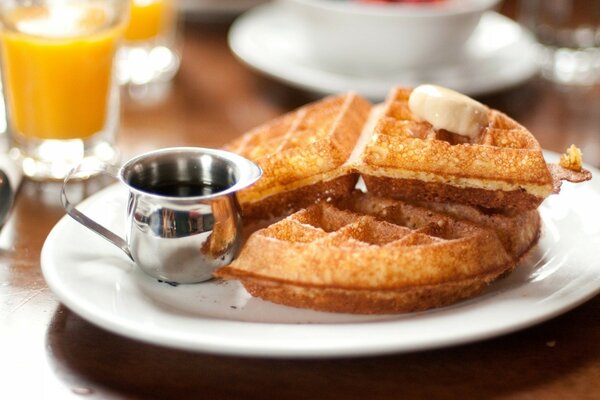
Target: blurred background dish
<point>364,37</point>
<point>497,55</point>
<point>215,9</point>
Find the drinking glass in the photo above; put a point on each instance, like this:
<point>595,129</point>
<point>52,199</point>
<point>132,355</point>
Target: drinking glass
<point>59,82</point>
<point>568,34</point>
<point>151,50</point>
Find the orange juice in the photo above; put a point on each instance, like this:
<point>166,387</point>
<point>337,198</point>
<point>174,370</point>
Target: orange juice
<point>149,18</point>
<point>58,68</point>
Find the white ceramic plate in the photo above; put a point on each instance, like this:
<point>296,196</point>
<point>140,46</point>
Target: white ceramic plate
<point>98,282</point>
<point>500,54</point>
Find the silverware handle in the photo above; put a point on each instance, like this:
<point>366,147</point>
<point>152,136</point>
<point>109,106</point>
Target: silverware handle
<point>7,195</point>
<point>10,179</point>
<point>84,219</point>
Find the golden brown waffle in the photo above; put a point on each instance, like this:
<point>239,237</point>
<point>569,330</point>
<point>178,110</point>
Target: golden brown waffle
<point>406,158</point>
<point>366,254</point>
<point>302,155</point>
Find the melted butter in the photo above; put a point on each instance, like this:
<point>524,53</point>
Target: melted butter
<point>446,109</point>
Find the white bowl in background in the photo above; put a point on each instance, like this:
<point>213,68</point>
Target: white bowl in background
<point>363,38</point>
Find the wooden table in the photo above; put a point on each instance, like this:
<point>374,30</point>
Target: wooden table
<point>48,352</point>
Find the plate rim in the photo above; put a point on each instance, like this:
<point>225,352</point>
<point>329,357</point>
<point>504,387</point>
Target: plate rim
<point>273,350</point>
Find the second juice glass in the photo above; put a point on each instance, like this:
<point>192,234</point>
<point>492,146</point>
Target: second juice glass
<point>151,51</point>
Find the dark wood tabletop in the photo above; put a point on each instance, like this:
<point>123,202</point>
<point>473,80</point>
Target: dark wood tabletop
<point>49,352</point>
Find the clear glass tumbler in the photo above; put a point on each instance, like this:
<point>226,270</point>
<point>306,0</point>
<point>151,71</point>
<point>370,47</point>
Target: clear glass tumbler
<point>59,81</point>
<point>568,33</point>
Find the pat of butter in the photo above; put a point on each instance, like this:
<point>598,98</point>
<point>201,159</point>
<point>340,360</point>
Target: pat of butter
<point>446,109</point>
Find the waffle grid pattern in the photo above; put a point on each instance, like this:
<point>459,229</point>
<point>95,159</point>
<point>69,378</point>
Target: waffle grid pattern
<point>502,131</point>
<point>306,143</point>
<point>364,241</point>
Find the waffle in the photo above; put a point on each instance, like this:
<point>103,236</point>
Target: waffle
<point>502,167</point>
<point>371,255</point>
<point>302,155</point>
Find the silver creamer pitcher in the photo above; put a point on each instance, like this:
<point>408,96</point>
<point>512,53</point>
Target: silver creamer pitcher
<point>183,218</point>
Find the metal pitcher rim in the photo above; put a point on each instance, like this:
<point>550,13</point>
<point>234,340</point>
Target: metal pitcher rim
<point>249,172</point>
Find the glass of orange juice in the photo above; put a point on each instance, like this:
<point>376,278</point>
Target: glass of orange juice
<point>151,50</point>
<point>59,81</point>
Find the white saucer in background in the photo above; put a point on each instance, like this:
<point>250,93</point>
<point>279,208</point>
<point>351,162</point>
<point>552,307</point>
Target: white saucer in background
<point>499,55</point>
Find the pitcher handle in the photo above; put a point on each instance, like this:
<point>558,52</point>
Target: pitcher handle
<point>83,219</point>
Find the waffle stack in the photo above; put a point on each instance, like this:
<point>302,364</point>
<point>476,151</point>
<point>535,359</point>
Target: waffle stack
<point>445,213</point>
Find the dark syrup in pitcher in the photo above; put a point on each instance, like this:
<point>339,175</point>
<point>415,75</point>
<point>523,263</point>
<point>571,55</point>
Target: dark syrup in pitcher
<point>185,189</point>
